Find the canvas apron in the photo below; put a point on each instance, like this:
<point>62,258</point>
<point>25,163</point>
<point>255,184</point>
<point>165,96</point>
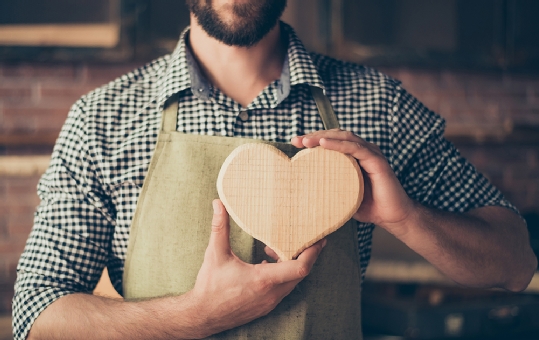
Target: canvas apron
<point>172,226</point>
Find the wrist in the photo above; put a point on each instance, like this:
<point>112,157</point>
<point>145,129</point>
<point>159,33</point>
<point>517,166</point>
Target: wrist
<point>185,317</point>
<point>405,226</point>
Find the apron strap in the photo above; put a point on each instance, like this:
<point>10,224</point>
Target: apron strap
<point>325,109</point>
<point>169,119</point>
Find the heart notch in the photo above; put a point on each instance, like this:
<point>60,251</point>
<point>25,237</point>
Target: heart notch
<point>289,203</point>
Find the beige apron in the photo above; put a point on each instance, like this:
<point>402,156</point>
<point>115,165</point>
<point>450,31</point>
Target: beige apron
<point>172,225</point>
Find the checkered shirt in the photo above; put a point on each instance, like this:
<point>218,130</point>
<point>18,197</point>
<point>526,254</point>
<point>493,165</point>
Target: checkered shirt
<point>90,190</point>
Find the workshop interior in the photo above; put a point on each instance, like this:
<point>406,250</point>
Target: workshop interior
<point>474,62</point>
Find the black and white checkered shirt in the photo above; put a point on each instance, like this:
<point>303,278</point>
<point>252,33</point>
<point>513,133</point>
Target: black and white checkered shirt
<point>89,193</point>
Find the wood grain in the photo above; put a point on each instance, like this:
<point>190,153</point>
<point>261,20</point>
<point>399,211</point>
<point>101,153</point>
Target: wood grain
<point>76,35</point>
<point>23,165</point>
<point>289,204</point>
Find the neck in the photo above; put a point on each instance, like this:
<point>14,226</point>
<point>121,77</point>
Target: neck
<point>239,72</point>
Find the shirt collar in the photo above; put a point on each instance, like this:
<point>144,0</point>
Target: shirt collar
<point>183,72</point>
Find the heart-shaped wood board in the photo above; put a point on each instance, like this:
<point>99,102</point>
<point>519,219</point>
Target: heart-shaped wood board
<point>289,204</point>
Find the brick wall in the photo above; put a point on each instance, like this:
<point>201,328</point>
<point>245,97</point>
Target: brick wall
<point>34,102</point>
<point>35,99</point>
<point>493,118</point>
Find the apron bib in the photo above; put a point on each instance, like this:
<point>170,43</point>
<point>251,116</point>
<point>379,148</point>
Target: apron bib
<point>172,225</point>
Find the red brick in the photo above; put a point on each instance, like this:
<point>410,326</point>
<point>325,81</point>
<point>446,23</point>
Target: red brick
<point>466,80</point>
<point>4,232</point>
<point>15,94</point>
<point>65,92</point>
<point>64,71</point>
<point>12,247</point>
<point>11,264</point>
<point>417,80</point>
<point>17,208</point>
<point>52,123</point>
<point>15,184</point>
<point>5,302</point>
<point>22,201</point>
<point>524,116</point>
<point>3,185</point>
<point>520,80</point>
<point>19,224</point>
<point>102,73</point>
<point>503,98</point>
<point>521,170</point>
<point>15,201</point>
<point>532,159</point>
<point>532,95</point>
<point>31,119</point>
<point>438,99</point>
<point>20,180</point>
<point>8,266</point>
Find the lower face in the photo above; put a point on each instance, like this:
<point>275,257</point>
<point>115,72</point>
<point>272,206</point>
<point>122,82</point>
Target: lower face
<point>237,23</point>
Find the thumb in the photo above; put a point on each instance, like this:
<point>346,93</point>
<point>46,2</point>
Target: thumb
<point>220,231</point>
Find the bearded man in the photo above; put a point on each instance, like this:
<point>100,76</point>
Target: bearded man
<point>239,73</point>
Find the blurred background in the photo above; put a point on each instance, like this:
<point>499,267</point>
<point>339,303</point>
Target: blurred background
<point>475,62</point>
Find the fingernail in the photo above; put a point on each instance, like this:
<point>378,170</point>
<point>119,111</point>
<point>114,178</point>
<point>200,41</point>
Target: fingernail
<point>216,207</point>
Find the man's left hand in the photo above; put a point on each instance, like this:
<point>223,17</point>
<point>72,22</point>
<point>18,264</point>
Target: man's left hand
<point>385,203</point>
<point>484,247</point>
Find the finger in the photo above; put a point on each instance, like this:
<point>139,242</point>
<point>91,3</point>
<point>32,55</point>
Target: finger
<point>271,253</point>
<point>370,157</point>
<point>220,230</point>
<point>313,139</point>
<point>294,270</point>
<point>297,142</point>
<point>310,254</point>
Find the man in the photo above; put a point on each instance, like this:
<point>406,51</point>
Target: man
<point>239,72</point>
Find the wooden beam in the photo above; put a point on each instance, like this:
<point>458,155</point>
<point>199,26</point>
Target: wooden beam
<point>420,272</point>
<point>23,165</point>
<point>74,35</point>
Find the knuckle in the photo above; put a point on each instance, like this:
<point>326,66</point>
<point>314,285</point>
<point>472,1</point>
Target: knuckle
<point>274,301</point>
<point>216,228</point>
<point>263,284</point>
<point>349,135</point>
<point>375,147</point>
<point>268,306</point>
<point>303,270</point>
<point>217,224</point>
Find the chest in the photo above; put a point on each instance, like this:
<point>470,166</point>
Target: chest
<point>125,163</point>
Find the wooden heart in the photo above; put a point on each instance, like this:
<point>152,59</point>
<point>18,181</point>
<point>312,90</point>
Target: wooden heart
<point>289,204</point>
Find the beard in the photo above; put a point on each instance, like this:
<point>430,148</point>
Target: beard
<point>245,24</point>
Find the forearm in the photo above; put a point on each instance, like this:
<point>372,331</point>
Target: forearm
<point>84,316</point>
<point>228,293</point>
<point>487,247</point>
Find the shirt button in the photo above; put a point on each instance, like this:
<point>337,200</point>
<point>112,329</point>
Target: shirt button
<point>244,116</point>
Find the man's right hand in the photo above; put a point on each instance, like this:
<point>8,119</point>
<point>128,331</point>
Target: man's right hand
<point>231,292</point>
<point>228,293</point>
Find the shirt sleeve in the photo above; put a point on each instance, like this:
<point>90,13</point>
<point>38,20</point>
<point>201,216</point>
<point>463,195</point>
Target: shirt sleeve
<point>430,168</point>
<point>68,245</point>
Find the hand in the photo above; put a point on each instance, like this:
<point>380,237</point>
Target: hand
<point>231,292</point>
<point>385,203</point>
